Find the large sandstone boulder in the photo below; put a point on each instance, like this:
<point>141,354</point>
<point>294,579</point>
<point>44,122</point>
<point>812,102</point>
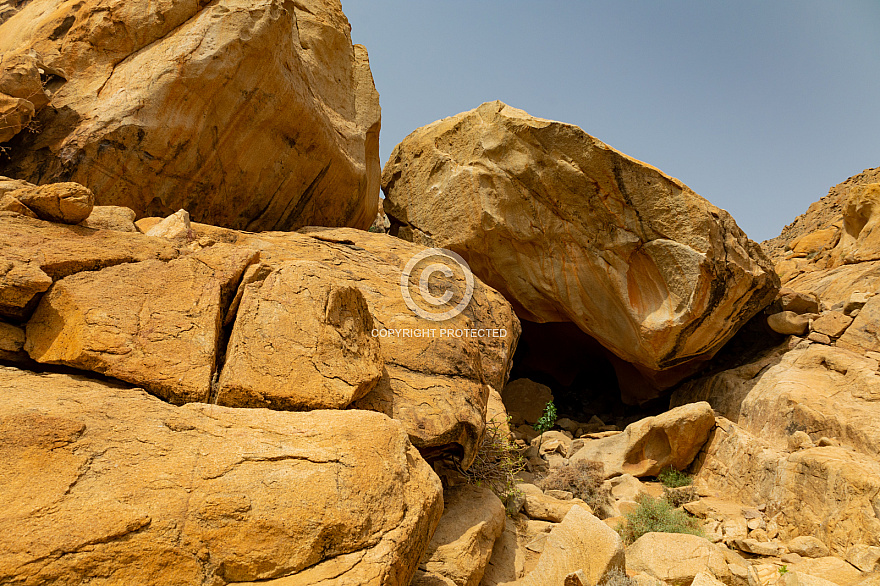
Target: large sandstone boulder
<point>674,558</point>
<point>646,447</point>
<point>108,485</point>
<point>150,323</point>
<point>473,518</point>
<point>581,542</point>
<point>257,115</point>
<point>570,230</point>
<point>34,253</point>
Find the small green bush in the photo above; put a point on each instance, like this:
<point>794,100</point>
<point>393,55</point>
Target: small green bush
<point>548,419</point>
<point>497,463</point>
<point>656,516</point>
<point>672,478</point>
<point>584,479</point>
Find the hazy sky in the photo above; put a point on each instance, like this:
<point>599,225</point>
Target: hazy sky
<point>759,106</point>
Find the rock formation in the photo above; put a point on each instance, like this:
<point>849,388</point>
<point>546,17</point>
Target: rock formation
<point>570,230</point>
<point>249,115</point>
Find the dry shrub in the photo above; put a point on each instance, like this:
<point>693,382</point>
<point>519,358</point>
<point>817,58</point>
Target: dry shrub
<point>585,480</point>
<point>497,463</point>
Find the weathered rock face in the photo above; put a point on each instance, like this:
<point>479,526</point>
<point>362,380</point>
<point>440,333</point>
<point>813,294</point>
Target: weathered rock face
<point>675,559</point>
<point>150,323</point>
<point>648,446</point>
<point>33,253</point>
<point>108,485</point>
<point>257,115</point>
<point>568,229</point>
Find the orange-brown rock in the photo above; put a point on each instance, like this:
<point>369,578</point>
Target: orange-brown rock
<point>257,115</point>
<point>33,253</point>
<point>67,203</point>
<point>103,484</point>
<point>116,218</point>
<point>150,323</point>
<point>302,340</point>
<point>569,229</point>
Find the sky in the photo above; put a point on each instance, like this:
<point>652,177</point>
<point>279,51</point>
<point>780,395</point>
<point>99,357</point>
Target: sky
<point>760,106</point>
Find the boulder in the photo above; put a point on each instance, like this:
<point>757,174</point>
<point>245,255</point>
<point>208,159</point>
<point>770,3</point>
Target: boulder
<point>67,203</point>
<point>525,400</point>
<point>791,300</point>
<point>33,253</point>
<point>506,562</point>
<point>315,353</point>
<point>116,218</point>
<point>544,507</point>
<point>831,323</point>
<point>580,542</point>
<point>674,558</point>
<point>254,115</point>
<point>149,323</point>
<point>20,78</point>
<point>473,519</point>
<point>655,273</point>
<point>829,568</point>
<point>788,323</point>
<point>103,482</point>
<point>15,115</point>
<point>174,227</point>
<point>864,557</point>
<point>10,204</point>
<point>12,342</point>
<point>864,332</point>
<point>648,446</point>
<point>808,546</point>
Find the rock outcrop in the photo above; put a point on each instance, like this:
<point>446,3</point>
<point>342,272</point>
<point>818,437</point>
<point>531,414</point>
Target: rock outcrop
<point>255,115</point>
<point>570,230</point>
<point>103,484</point>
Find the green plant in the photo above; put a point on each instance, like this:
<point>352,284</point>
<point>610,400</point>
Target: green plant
<point>783,570</point>
<point>672,478</point>
<point>497,463</point>
<point>548,419</point>
<point>656,516</point>
<point>583,479</point>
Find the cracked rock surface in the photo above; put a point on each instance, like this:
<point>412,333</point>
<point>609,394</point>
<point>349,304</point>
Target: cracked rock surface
<point>108,485</point>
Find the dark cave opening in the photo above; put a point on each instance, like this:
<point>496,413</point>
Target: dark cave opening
<point>579,372</point>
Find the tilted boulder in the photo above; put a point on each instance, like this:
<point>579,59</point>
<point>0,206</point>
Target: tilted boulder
<point>250,114</point>
<point>675,558</point>
<point>570,230</point>
<point>116,218</point>
<point>101,481</point>
<point>67,203</point>
<point>646,447</point>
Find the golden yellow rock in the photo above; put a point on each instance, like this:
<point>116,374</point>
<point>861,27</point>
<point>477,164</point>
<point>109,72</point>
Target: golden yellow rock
<point>250,114</point>
<point>67,203</point>
<point>108,485</point>
<point>569,229</point>
<point>149,323</point>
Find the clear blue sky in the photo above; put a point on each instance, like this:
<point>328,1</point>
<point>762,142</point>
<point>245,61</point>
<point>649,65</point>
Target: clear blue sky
<point>759,106</point>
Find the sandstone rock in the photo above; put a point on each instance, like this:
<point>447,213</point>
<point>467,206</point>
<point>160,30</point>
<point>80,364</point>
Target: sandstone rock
<point>251,115</point>
<point>804,579</point>
<point>808,546</point>
<point>473,518</point>
<point>674,558</point>
<point>525,400</point>
<point>150,323</point>
<point>831,323</point>
<point>788,323</point>
<point>706,579</point>
<point>544,507</point>
<point>67,203</point>
<point>133,488</point>
<point>20,78</point>
<point>580,542</point>
<point>860,239</point>
<point>819,338</point>
<point>496,414</point>
<point>755,547</point>
<point>12,342</point>
<point>313,353</point>
<point>506,563</point>
<point>627,487</point>
<point>654,443</point>
<point>864,557</point>
<point>8,184</point>
<point>174,227</point>
<point>827,492</point>
<point>791,300</point>
<point>824,389</point>
<point>437,385</point>
<point>654,272</point>
<point>33,253</point>
<point>116,218</point>
<point>856,301</point>
<point>829,568</point>
<point>864,333</point>
<point>15,115</point>
<point>10,204</point>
